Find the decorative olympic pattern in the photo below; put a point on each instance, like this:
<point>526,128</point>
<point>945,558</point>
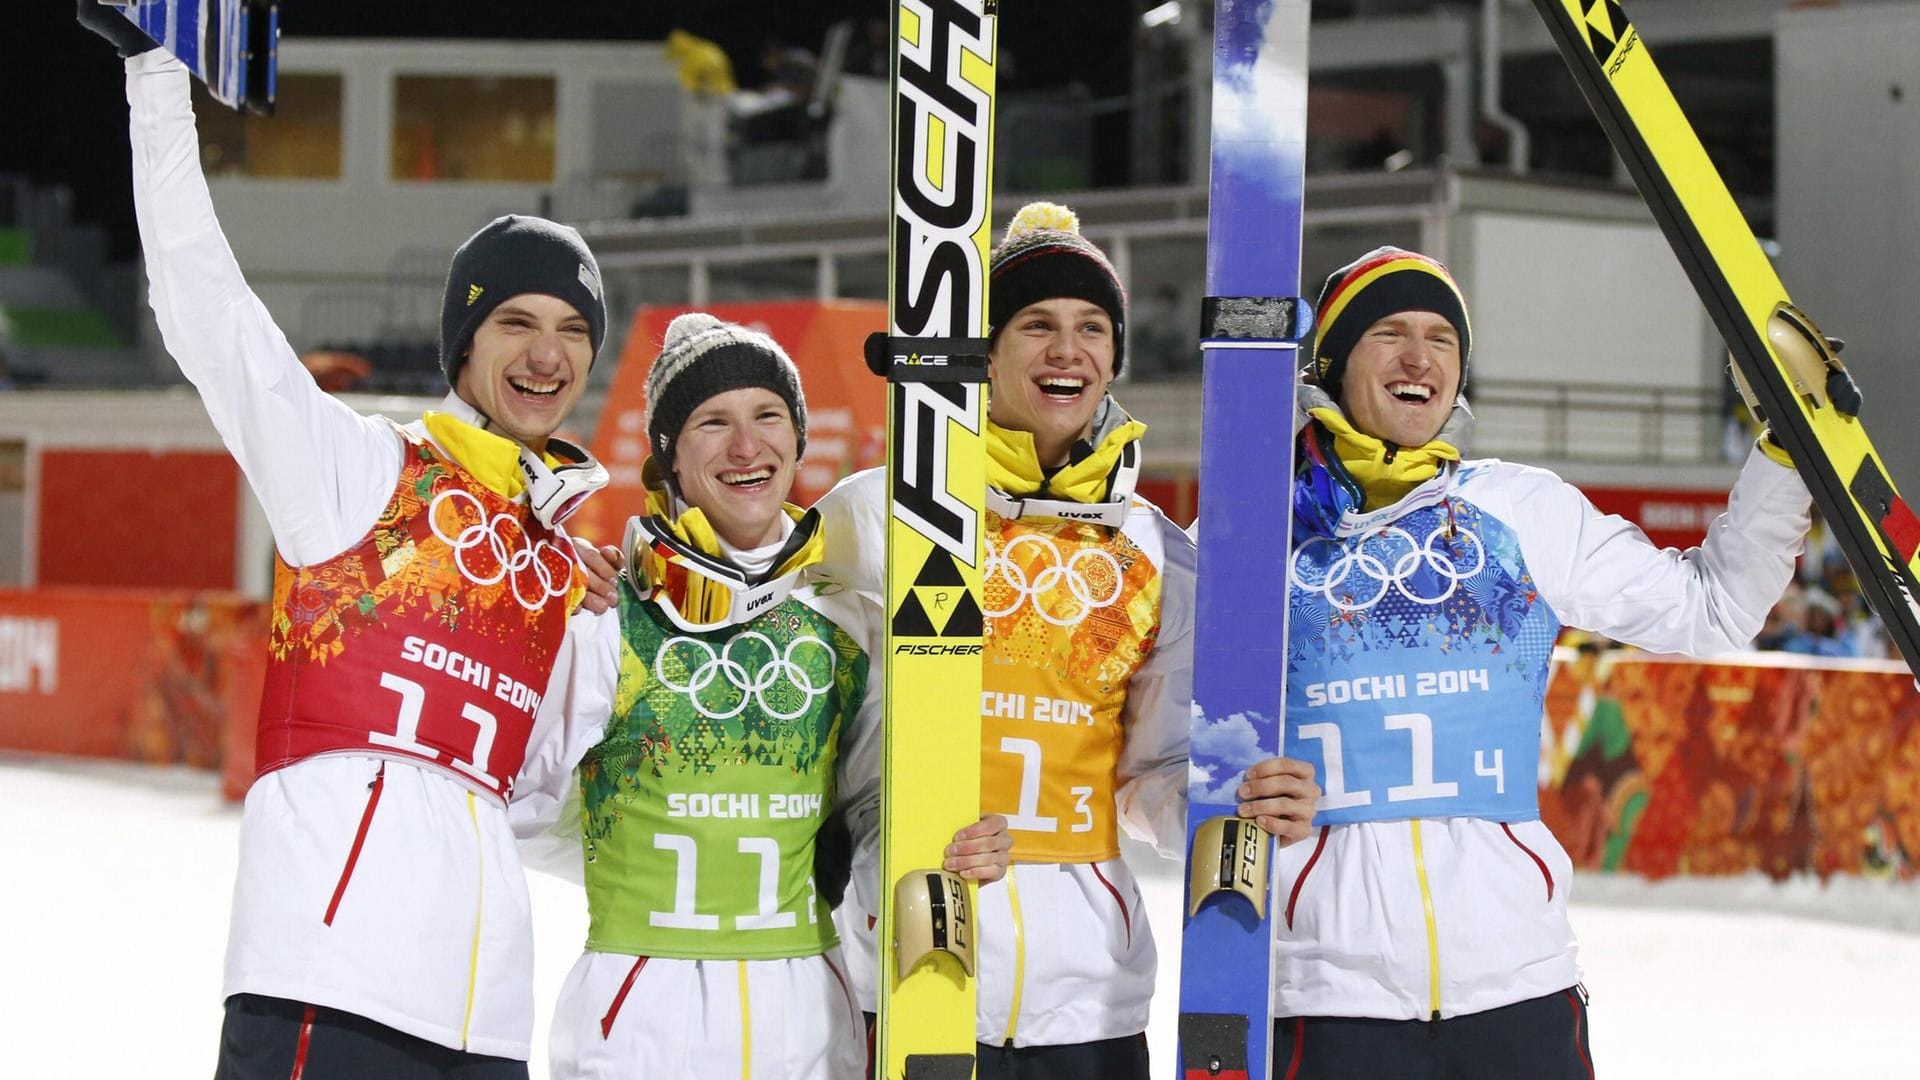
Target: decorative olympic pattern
<point>1363,568</point>
<point>490,549</point>
<point>1059,584</point>
<point>779,669</point>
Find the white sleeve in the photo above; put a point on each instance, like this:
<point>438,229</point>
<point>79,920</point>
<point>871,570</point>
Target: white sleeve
<point>321,471</point>
<point>854,523</point>
<point>857,777</point>
<point>1601,573</point>
<point>571,720</point>
<point>1153,760</point>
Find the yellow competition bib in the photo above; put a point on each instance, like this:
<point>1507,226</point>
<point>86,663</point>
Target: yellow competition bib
<point>1072,611</point>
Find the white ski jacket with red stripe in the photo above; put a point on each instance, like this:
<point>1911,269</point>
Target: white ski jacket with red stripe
<point>432,934</point>
<point>1423,919</point>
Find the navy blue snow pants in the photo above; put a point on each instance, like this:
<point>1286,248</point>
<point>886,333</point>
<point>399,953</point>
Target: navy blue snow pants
<point>1544,1038</point>
<point>268,1038</point>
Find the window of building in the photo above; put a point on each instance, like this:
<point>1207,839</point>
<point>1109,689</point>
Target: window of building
<point>460,127</point>
<point>300,142</point>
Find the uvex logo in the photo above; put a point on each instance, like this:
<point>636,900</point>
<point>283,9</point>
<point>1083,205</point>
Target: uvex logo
<point>939,285</point>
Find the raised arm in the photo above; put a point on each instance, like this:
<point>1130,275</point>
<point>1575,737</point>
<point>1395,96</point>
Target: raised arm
<point>1601,573</point>
<point>321,471</point>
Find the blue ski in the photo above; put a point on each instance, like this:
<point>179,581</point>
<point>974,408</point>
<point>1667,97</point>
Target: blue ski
<point>231,45</point>
<point>1251,328</point>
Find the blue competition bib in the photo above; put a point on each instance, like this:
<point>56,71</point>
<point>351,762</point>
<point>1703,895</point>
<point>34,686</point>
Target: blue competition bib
<point>1417,658</point>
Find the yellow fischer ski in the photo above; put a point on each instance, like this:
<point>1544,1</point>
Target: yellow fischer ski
<point>934,358</point>
<point>1785,366</point>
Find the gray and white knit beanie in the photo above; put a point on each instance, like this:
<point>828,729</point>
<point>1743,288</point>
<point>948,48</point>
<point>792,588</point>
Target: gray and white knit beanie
<point>703,356</point>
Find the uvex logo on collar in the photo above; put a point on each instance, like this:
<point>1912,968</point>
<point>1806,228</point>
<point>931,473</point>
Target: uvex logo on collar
<point>555,491</point>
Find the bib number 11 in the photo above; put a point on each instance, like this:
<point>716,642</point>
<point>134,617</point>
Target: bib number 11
<point>1419,729</point>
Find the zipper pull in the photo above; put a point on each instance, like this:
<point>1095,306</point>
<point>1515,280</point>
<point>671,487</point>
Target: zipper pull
<point>1391,451</point>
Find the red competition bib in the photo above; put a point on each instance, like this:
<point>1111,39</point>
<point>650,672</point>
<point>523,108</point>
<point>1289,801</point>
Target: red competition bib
<point>431,639</point>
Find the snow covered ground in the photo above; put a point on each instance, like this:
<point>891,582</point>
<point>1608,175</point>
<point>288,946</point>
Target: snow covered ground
<point>115,884</point>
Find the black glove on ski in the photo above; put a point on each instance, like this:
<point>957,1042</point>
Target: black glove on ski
<point>1841,389</point>
<point>110,24</point>
<point>833,858</point>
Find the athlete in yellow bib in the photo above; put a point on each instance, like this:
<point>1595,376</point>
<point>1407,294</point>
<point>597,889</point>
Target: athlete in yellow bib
<point>1088,593</point>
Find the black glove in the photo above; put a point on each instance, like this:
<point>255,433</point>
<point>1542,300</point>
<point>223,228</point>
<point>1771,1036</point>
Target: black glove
<point>1841,389</point>
<point>833,858</point>
<point>110,24</point>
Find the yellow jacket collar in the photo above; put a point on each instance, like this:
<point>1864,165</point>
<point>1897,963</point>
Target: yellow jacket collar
<point>1101,469</point>
<point>1386,473</point>
<point>493,460</point>
<point>691,526</point>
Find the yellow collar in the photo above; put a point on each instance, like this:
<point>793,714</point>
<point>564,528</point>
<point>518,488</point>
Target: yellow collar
<point>1013,465</point>
<point>492,459</point>
<point>1385,474</point>
<point>693,528</point>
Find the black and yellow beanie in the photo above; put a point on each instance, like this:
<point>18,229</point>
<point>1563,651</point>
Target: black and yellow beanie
<point>1043,256</point>
<point>512,255</point>
<point>1383,282</point>
<point>703,355</point>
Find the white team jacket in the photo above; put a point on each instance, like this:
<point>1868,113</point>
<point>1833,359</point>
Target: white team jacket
<point>1362,939</point>
<point>438,941</point>
<point>1076,964</point>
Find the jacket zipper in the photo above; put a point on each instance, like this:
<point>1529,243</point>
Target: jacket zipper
<point>1433,931</point>
<point>479,914</point>
<point>1019,952</point>
<point>359,840</point>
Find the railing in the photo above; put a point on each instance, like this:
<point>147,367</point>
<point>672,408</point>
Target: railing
<point>1566,421</point>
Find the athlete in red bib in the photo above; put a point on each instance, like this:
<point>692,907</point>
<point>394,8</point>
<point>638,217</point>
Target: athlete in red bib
<point>422,638</point>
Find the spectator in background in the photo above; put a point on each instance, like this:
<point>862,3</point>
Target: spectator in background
<point>704,68</point>
<point>790,71</point>
<point>871,50</point>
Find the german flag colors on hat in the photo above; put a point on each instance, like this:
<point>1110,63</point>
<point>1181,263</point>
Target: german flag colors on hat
<point>1383,282</point>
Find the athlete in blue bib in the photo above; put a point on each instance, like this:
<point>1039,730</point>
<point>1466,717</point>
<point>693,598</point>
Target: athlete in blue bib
<point>1423,927</point>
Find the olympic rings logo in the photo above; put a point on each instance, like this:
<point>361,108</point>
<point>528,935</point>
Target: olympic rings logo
<point>1388,558</point>
<point>778,670</point>
<point>1063,580</point>
<point>536,571</point>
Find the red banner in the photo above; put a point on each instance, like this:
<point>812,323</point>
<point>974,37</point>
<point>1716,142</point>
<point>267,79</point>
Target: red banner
<point>165,678</point>
<point>846,404</point>
<point>1671,517</point>
<point>143,520</point>
<point>1769,762</point>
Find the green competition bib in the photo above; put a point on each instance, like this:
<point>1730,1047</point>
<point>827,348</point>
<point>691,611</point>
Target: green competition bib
<point>702,803</point>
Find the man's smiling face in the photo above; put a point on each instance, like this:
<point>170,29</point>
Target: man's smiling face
<point>527,366</point>
<point>1402,376</point>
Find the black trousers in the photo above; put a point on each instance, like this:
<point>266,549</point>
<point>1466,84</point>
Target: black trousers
<point>1124,1058</point>
<point>267,1038</point>
<point>1544,1038</point>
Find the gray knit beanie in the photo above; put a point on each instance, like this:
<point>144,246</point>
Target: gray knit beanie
<point>703,356</point>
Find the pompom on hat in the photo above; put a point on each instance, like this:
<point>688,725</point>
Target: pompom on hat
<point>702,356</point>
<point>1043,256</point>
<point>1383,282</point>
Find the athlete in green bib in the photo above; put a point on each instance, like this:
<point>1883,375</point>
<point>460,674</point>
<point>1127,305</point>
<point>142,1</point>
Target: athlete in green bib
<point>742,671</point>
